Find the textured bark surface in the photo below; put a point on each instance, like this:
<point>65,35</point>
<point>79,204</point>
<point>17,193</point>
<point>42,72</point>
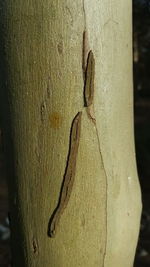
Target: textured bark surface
<point>64,58</point>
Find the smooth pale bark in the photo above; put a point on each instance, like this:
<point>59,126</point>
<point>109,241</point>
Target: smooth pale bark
<point>43,43</point>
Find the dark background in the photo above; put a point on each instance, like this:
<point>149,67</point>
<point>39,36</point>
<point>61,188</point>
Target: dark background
<point>141,63</point>
<point>141,67</point>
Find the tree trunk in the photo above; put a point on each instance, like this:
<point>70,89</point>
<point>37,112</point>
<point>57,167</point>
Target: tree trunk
<point>75,198</point>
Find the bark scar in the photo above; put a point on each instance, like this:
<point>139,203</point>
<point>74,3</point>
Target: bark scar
<point>35,246</point>
<point>85,51</point>
<point>88,91</point>
<point>89,80</point>
<point>69,175</point>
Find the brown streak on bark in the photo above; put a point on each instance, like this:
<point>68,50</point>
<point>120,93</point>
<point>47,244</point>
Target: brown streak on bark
<point>69,175</point>
<point>89,80</point>
<point>85,50</point>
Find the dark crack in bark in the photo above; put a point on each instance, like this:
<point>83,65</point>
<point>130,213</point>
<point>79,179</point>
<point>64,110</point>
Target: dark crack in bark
<point>69,175</point>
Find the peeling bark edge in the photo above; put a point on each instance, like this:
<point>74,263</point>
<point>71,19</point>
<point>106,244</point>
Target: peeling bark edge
<point>69,175</point>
